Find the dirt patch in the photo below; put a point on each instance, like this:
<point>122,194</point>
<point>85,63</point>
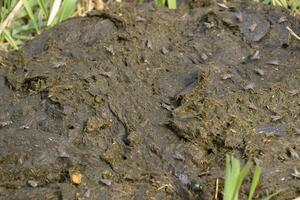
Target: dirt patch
<point>139,102</point>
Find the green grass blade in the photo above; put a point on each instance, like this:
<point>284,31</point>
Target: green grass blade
<point>271,196</point>
<point>25,28</point>
<point>231,176</point>
<point>256,176</point>
<point>283,3</point>
<point>10,40</point>
<point>43,7</point>
<point>228,183</point>
<point>236,168</point>
<point>160,2</point>
<point>67,9</point>
<point>22,37</point>
<point>267,1</point>
<point>30,14</point>
<point>172,4</point>
<point>244,172</point>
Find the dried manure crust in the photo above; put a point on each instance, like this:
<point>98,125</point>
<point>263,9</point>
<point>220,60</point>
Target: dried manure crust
<point>141,102</point>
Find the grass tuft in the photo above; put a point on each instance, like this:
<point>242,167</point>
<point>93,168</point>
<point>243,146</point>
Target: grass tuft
<point>235,175</point>
<point>21,20</point>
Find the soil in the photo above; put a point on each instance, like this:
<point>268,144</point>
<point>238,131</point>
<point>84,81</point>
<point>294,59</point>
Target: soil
<point>141,102</point>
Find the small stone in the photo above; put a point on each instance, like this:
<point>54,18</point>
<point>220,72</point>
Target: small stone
<point>292,153</point>
<point>32,183</point>
<point>226,76</point>
<point>87,194</point>
<point>178,156</point>
<point>76,177</point>
<point>58,65</point>
<point>252,106</point>
<point>167,106</point>
<point>296,173</point>
<point>106,182</point>
<point>259,71</point>
<point>222,5</point>
<point>26,126</point>
<point>294,92</point>
<point>184,179</point>
<point>249,86</point>
<point>110,50</point>
<point>209,25</point>
<point>253,27</point>
<point>106,74</point>
<point>164,50</point>
<point>282,19</point>
<point>273,62</point>
<point>149,44</point>
<point>140,19</point>
<point>255,56</point>
<point>5,123</point>
<point>276,118</point>
<point>204,57</point>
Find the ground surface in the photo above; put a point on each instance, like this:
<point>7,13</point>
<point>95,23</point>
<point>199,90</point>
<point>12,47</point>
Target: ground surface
<point>145,103</point>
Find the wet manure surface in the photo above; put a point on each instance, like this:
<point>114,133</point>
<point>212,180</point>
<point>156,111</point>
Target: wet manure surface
<point>140,102</point>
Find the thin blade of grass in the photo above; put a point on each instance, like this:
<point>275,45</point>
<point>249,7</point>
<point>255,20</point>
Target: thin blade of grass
<point>22,28</point>
<point>67,9</point>
<point>160,2</point>
<point>54,10</point>
<point>10,40</point>
<point>228,182</point>
<point>272,195</point>
<point>22,37</point>
<point>31,15</point>
<point>11,16</point>
<point>267,1</point>
<point>284,3</point>
<point>244,172</point>
<point>255,181</point>
<point>172,4</point>
<point>231,175</point>
<point>43,7</point>
<point>236,170</point>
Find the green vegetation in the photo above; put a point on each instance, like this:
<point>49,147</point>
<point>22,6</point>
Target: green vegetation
<point>21,20</point>
<point>170,3</point>
<point>235,175</point>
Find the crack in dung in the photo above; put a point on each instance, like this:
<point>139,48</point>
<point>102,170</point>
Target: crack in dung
<point>108,163</point>
<point>124,124</point>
